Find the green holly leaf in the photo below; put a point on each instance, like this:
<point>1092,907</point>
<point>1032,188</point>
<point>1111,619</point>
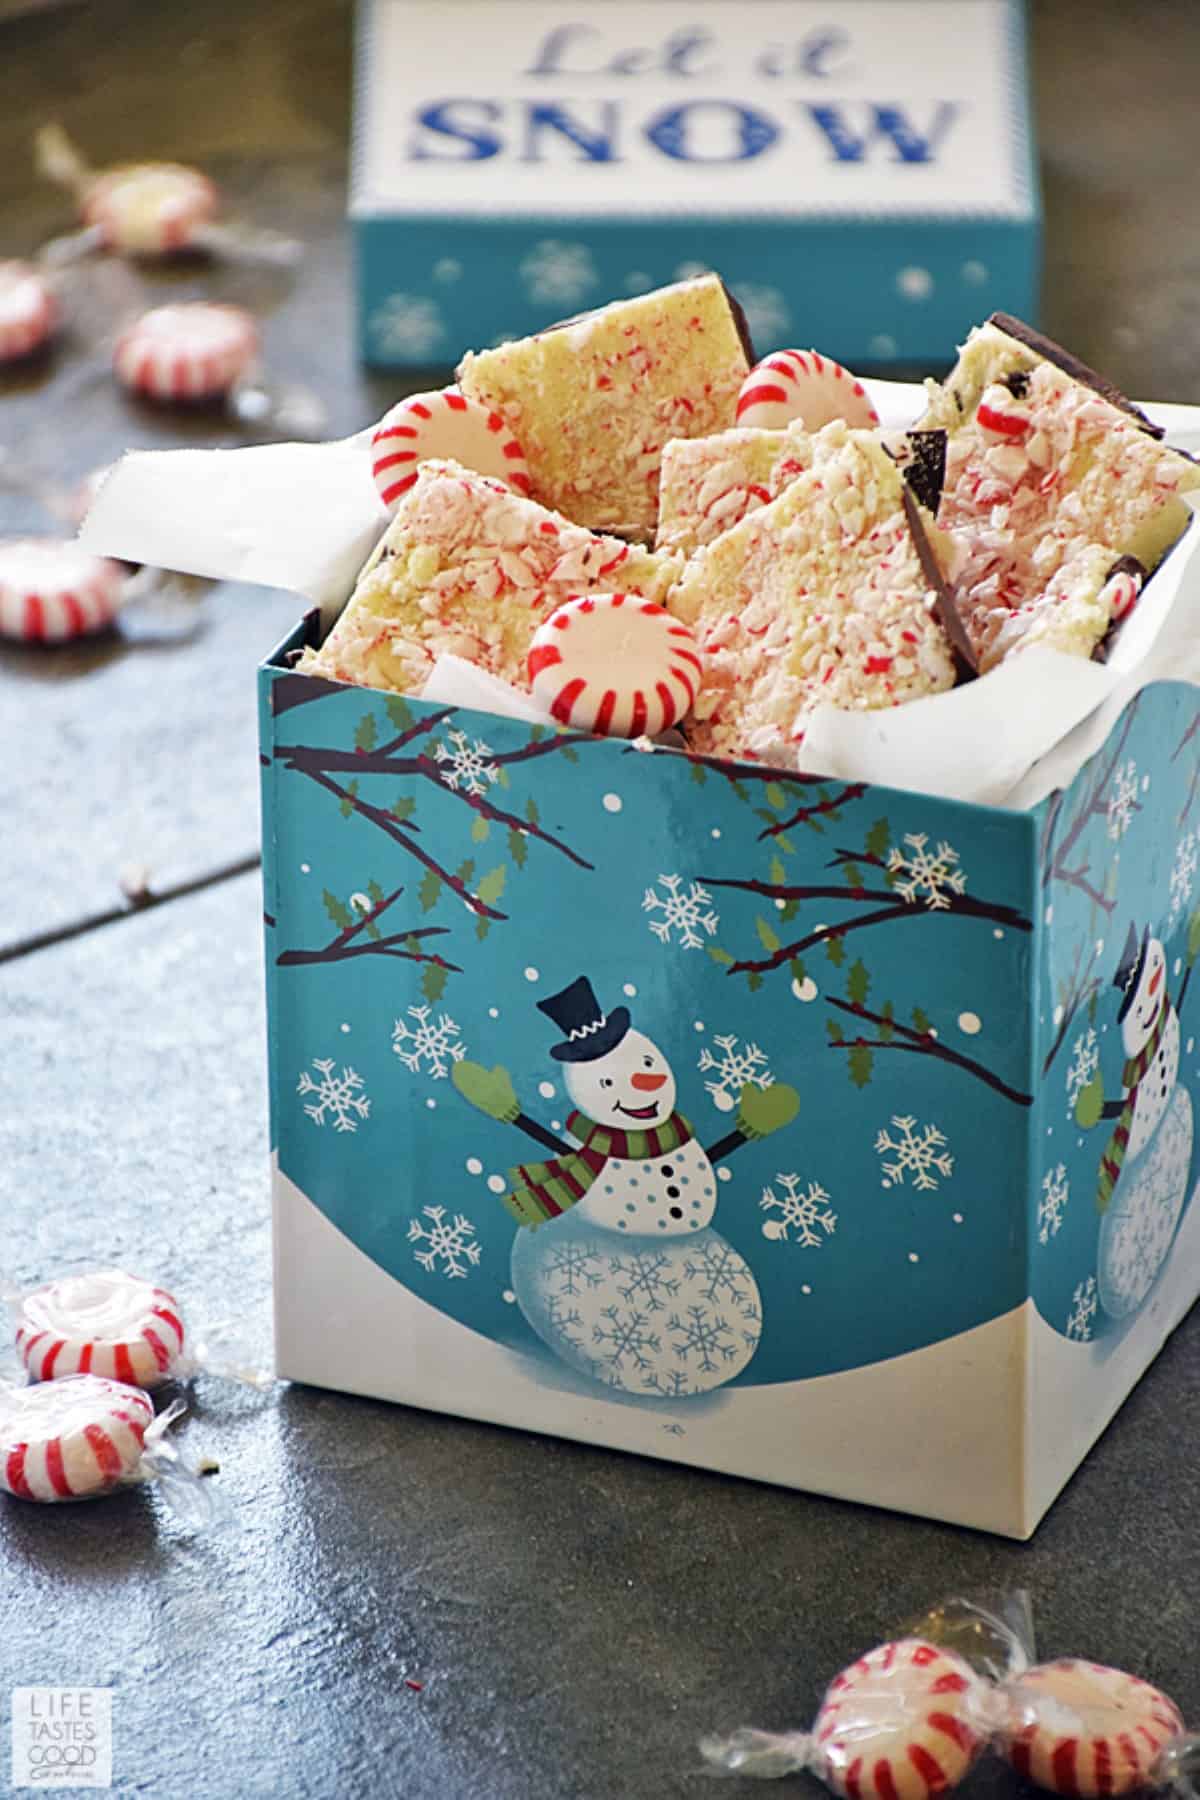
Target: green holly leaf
<point>719,956</point>
<point>479,830</point>
<point>799,973</point>
<point>492,885</point>
<point>429,890</point>
<point>858,983</point>
<point>465,871</point>
<point>739,788</point>
<point>482,927</point>
<point>921,1021</point>
<point>699,773</point>
<point>365,732</point>
<point>887,1028</point>
<point>404,808</point>
<point>778,874</point>
<point>754,980</point>
<point>372,930</point>
<point>412,942</point>
<point>531,811</point>
<point>789,909</point>
<point>518,846</point>
<point>834,1030</point>
<point>861,1063</point>
<point>785,843</point>
<point>764,813</point>
<point>815,825</point>
<point>835,950</point>
<point>767,936</point>
<point>375,891</point>
<point>879,839</point>
<point>775,796</point>
<point>537,733</point>
<point>1093,1003</point>
<point>571,756</point>
<point>502,777</point>
<point>433,982</point>
<point>399,713</point>
<point>346,805</point>
<point>853,874</point>
<point>341,915</point>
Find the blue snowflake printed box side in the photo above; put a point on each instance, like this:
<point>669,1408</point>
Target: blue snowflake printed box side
<point>524,162</point>
<point>654,1102</point>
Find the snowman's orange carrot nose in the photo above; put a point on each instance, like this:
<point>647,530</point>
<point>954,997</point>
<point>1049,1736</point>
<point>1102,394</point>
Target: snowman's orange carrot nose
<point>646,1084</point>
<point>1154,981</point>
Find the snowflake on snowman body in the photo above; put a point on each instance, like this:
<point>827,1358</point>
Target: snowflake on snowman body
<point>634,1172</point>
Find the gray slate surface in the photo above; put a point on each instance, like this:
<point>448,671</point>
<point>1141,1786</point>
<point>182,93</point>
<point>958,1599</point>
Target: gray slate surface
<point>576,1618</point>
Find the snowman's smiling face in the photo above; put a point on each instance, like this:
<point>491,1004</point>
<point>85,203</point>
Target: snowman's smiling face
<point>632,1088</point>
<point>1137,1027</point>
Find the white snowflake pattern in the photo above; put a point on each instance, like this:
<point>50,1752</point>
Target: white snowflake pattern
<point>1083,1310</point>
<point>1056,1191</point>
<point>575,1267</point>
<point>428,1044</point>
<point>337,1096</point>
<point>687,911</point>
<point>627,1334</point>
<point>803,1210</point>
<point>445,1244</point>
<point>933,874</point>
<point>1083,1066</point>
<point>467,765</point>
<point>768,316</point>
<point>701,1336</point>
<point>555,271</point>
<point>733,1070</point>
<point>643,1279</point>
<point>1139,1226</point>
<point>1183,874</point>
<point>720,1274</point>
<point>407,325</point>
<point>1123,800</point>
<point>919,1151</point>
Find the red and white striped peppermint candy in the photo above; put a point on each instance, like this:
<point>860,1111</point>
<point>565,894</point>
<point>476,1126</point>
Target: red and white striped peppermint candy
<point>28,311</point>
<point>446,424</point>
<point>149,209</point>
<point>902,1723</point>
<point>805,386</point>
<point>71,1439</point>
<point>1083,1728</point>
<point>192,351</point>
<point>614,664</point>
<point>106,1323</point>
<point>51,590</point>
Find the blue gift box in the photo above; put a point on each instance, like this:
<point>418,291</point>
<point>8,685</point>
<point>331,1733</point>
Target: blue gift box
<point>913,1215</point>
<point>861,171</point>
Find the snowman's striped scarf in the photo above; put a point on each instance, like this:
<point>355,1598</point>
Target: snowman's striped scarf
<point>543,1190</point>
<point>1113,1160</point>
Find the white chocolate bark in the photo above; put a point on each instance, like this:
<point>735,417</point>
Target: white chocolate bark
<point>818,597</point>
<point>1045,489</point>
<point>592,402</point>
<point>707,485</point>
<point>468,568</point>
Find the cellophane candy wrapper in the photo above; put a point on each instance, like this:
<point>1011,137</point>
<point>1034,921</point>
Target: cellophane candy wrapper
<point>86,1436</point>
<point>910,1719</point>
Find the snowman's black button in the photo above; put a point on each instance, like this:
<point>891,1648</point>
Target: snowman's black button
<point>677,1212</point>
<point>672,1193</point>
<point>667,1170</point>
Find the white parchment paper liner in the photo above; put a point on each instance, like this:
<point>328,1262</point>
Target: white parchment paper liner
<point>306,516</point>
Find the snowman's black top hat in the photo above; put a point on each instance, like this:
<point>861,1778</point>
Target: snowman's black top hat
<point>590,1034</point>
<point>1129,969</point>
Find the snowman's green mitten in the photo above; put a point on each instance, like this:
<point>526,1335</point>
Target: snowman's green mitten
<point>764,1110</point>
<point>1090,1104</point>
<point>1193,949</point>
<point>489,1090</point>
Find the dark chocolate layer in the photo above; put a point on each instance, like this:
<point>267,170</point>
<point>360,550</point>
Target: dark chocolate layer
<point>1070,365</point>
<point>965,661</point>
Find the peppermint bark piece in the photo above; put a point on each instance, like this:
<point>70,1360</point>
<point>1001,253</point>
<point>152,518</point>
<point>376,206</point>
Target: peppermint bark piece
<point>593,401</point>
<point>829,594</point>
<point>709,484</point>
<point>468,568</point>
<point>1053,479</point>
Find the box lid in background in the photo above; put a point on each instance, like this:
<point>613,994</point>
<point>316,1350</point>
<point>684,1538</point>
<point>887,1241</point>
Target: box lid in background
<point>860,171</point>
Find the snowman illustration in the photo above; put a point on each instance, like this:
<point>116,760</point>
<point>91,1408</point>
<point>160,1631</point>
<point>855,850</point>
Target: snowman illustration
<point>1144,1170</point>
<point>616,1265</point>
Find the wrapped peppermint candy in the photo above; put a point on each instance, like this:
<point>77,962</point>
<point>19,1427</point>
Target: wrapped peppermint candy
<point>29,311</point>
<point>85,1437</point>
<point>909,1719</point>
<point>197,352</point>
<point>440,425</point>
<point>109,1323</point>
<point>149,209</point>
